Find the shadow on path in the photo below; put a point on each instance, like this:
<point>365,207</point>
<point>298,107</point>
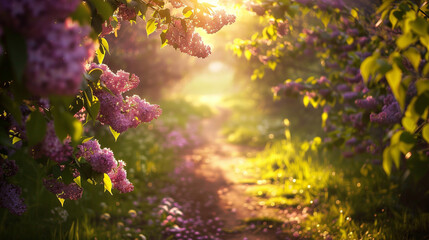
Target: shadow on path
<point>208,185</point>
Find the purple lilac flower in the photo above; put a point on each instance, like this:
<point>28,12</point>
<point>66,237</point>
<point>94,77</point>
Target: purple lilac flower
<point>118,112</point>
<point>350,95</point>
<point>369,103</point>
<point>101,160</point>
<point>33,18</point>
<point>119,178</point>
<point>52,147</point>
<point>56,59</point>
<point>71,191</point>
<point>10,198</point>
<point>390,113</point>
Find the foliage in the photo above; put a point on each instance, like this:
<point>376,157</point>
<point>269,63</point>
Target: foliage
<point>150,162</point>
<point>326,197</point>
<point>51,90</point>
<point>372,86</point>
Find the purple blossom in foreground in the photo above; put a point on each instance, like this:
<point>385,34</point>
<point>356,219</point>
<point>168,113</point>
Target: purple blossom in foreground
<point>56,59</point>
<point>101,160</point>
<point>119,178</point>
<point>10,198</point>
<point>117,83</point>
<point>8,168</point>
<point>33,18</point>
<point>186,40</point>
<point>71,191</point>
<point>52,147</point>
<point>118,112</point>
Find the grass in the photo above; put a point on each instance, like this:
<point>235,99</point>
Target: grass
<point>348,200</point>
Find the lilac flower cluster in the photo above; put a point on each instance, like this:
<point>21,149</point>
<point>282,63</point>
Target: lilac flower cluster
<point>369,103</point>
<point>107,28</point>
<point>56,47</point>
<point>186,40</point>
<point>101,160</point>
<point>52,147</point>
<point>9,193</point>
<point>117,83</point>
<point>10,198</point>
<point>122,114</point>
<point>282,28</point>
<point>214,22</point>
<point>33,18</point>
<point>292,88</point>
<point>56,59</point>
<point>118,175</point>
<point>70,191</point>
<point>390,113</point>
<point>126,13</point>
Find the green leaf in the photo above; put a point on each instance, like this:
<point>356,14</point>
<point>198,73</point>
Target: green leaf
<point>396,156</point>
<point>82,14</point>
<point>67,176</point>
<point>409,123</point>
<point>421,104</point>
<point>306,101</point>
<point>107,183</point>
<point>350,40</point>
<point>11,107</point>
<point>95,74</point>
<point>247,54</point>
<point>393,19</point>
<point>66,125</point>
<point>405,40</point>
<point>35,127</point>
<point>62,200</point>
<point>326,18</point>
<point>78,181</point>
<point>105,44</point>
<point>413,55</point>
<point>103,8</point>
<point>16,48</point>
<point>422,85</point>
<point>114,133</point>
<point>100,55</point>
<point>87,139</point>
<point>387,161</point>
<point>394,77</point>
<point>425,133</point>
<point>419,26</point>
<point>91,103</point>
<point>165,13</point>
<point>151,26</point>
<point>142,7</point>
<point>354,12</point>
<point>407,142</point>
<point>368,67</point>
<point>164,40</point>
<point>425,41</point>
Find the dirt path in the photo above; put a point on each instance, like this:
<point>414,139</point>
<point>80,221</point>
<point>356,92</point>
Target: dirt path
<point>211,185</point>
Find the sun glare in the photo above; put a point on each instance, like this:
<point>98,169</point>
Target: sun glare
<point>212,2</point>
